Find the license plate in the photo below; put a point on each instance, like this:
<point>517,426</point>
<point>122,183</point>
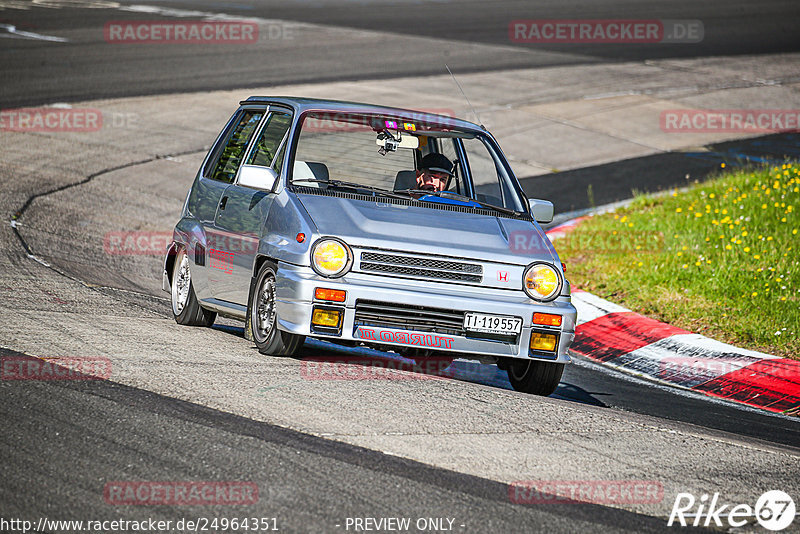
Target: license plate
<point>492,324</point>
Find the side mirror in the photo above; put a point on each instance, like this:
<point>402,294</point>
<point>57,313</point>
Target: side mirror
<point>542,210</point>
<point>257,177</point>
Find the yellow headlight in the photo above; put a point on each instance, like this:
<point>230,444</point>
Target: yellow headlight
<point>330,257</point>
<point>542,282</point>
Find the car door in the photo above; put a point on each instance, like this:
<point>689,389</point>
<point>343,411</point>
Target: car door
<point>243,211</point>
<point>218,174</point>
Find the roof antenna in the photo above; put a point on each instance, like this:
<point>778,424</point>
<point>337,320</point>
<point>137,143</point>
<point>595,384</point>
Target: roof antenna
<point>465,96</point>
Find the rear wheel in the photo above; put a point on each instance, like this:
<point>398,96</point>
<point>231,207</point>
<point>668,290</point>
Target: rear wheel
<point>263,317</point>
<point>185,307</point>
<point>535,377</point>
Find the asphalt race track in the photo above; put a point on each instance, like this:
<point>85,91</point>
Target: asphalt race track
<point>191,404</point>
<point>316,41</point>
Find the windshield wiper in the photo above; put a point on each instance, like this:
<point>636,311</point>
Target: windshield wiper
<point>456,196</point>
<point>353,185</point>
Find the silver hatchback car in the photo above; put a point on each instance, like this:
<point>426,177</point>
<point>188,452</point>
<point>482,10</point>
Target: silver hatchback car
<point>370,225</point>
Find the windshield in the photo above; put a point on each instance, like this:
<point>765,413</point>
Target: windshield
<point>402,157</point>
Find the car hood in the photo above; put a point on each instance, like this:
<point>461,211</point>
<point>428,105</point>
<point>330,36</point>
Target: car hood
<point>428,230</point>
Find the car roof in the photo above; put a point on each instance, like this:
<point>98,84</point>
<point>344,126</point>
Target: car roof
<point>302,104</point>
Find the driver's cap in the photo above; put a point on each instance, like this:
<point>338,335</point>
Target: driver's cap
<point>437,163</point>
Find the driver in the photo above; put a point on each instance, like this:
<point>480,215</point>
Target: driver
<point>434,172</point>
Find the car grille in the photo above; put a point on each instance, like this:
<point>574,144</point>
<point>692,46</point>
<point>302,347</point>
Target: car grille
<point>420,267</point>
<point>407,317</point>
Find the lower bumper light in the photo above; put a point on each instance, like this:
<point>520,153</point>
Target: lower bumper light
<point>326,318</point>
<point>543,342</point>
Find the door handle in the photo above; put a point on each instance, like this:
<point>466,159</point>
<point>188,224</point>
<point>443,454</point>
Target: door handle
<point>223,202</point>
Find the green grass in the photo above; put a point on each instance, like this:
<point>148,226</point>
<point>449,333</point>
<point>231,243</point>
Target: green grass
<point>719,259</point>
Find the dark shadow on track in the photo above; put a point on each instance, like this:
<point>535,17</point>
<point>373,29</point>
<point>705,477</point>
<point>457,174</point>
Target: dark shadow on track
<point>617,181</point>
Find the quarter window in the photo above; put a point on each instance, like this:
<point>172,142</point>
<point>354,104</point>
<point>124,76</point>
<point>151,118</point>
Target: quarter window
<point>231,155</point>
<point>269,142</point>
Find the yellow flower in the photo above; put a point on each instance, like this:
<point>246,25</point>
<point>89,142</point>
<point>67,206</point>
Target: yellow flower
<point>757,257</point>
<point>640,264</point>
<point>722,165</point>
<point>794,231</point>
<point>684,266</point>
<point>712,195</point>
<point>783,219</point>
<point>744,234</point>
<point>728,247</point>
<point>747,249</point>
<point>763,206</point>
<point>754,294</point>
<point>769,238</point>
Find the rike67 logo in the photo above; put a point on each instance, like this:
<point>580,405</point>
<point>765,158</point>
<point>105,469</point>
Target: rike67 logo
<point>774,510</point>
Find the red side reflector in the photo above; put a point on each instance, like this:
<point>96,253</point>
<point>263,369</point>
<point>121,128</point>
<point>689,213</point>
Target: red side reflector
<point>547,319</point>
<point>335,295</point>
<point>301,237</point>
<point>563,267</point>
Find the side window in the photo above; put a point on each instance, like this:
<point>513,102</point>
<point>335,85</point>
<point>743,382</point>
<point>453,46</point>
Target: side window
<point>269,142</point>
<point>227,163</point>
<point>488,179</point>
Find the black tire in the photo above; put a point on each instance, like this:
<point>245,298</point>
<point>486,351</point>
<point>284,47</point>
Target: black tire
<point>263,317</point>
<point>185,307</point>
<point>534,377</point>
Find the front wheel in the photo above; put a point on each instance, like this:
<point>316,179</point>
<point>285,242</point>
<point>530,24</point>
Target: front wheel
<point>263,317</point>
<point>535,377</point>
<point>185,307</point>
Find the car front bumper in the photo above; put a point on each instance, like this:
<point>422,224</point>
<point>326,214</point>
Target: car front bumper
<point>295,302</point>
